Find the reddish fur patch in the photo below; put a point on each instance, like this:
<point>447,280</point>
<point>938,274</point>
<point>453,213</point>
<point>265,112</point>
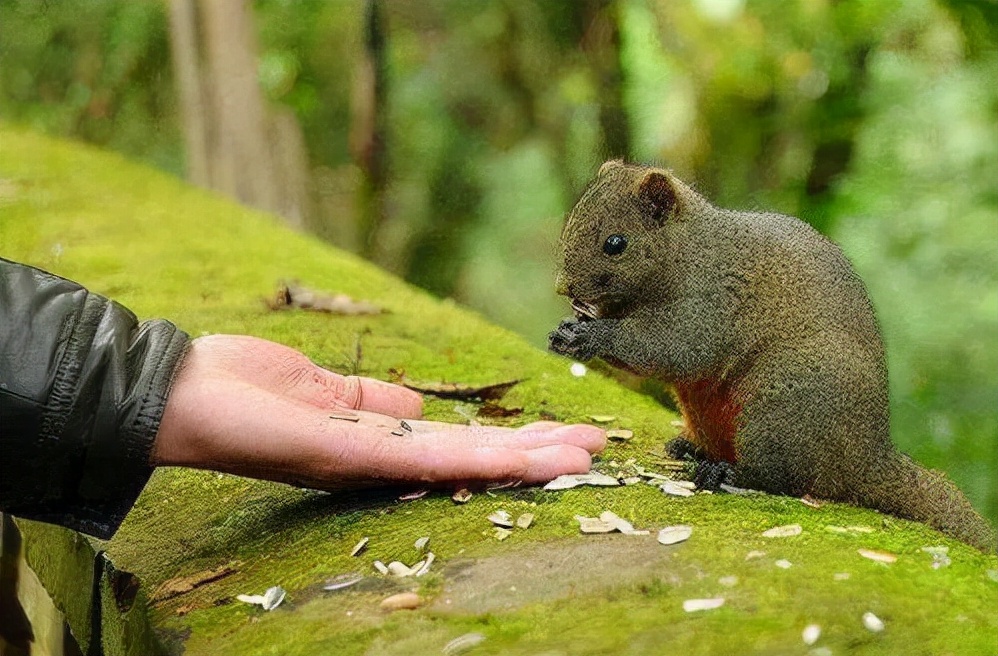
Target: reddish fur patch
<point>711,413</point>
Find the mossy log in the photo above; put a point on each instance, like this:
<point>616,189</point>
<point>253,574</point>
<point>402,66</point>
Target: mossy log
<point>166,249</point>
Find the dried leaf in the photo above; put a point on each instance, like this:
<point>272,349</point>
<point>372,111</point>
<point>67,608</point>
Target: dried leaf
<point>293,296</point>
<point>463,392</point>
<point>492,410</point>
<point>693,605</point>
<point>675,534</point>
<point>184,584</point>
<point>788,531</point>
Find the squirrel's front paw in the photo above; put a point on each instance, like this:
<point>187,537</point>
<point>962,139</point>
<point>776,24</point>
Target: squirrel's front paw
<point>579,340</point>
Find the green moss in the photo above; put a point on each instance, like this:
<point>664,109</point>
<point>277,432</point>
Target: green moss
<point>166,249</point>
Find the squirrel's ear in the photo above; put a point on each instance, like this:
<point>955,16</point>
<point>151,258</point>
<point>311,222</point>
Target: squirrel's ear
<point>656,191</point>
<point>608,166</point>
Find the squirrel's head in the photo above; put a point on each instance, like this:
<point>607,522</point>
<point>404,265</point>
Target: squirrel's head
<point>615,236</point>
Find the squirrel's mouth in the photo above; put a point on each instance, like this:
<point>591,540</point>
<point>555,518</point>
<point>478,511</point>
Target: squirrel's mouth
<point>606,307</point>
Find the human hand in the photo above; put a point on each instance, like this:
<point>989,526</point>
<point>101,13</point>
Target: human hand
<point>251,407</point>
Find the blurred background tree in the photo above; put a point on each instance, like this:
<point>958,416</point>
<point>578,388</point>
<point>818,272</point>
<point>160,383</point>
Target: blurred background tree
<point>445,140</point>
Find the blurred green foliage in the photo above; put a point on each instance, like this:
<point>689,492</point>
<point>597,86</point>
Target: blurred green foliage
<point>875,121</point>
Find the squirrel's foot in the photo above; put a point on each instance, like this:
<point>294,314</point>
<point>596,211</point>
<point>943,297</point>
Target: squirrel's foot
<point>579,340</point>
<point>708,474</point>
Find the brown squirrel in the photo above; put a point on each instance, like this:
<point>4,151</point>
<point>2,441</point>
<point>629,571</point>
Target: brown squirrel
<point>766,334</point>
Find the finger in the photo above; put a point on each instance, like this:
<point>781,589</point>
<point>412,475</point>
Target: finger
<point>531,436</point>
<point>385,398</point>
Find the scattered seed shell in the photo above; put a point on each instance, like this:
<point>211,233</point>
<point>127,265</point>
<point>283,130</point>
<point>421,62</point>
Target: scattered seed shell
<point>502,533</point>
<point>412,496</point>
<point>594,525</point>
<point>728,581</point>
<point>602,419</point>
<point>574,480</point>
<point>787,531</point>
<point>401,601</point>
<point>578,369</point>
<point>273,597</point>
<point>693,605</point>
<point>380,566</point>
<point>993,575</point>
<point>754,554</point>
<point>619,435</point>
<point>872,622</point>
<point>810,634</point>
<point>421,543</point>
<point>400,569</point>
<point>783,564</point>
<point>501,518</point>
<point>343,581</point>
<point>810,502</point>
<point>879,556</point>
<point>425,565</point>
<point>405,425</point>
<point>525,520</point>
<point>360,546</point>
<point>397,433</point>
<point>461,644</point>
<point>345,416</point>
<point>841,576</point>
<point>675,534</point>
<point>462,496</point>
<point>672,489</point>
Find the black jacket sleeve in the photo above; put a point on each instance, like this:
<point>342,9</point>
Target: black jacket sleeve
<point>83,387</point>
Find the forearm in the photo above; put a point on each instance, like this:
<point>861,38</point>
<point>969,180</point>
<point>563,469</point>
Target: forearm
<point>82,391</point>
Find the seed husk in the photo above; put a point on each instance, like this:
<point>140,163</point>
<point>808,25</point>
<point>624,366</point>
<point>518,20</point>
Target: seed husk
<point>672,488</point>
<point>463,643</point>
<point>574,480</point>
<point>693,605</point>
<point>877,555</point>
<point>619,435</point>
<point>380,566</point>
<point>602,419</point>
<point>872,622</point>
<point>783,564</point>
<point>343,581</point>
<point>462,496</point>
<point>421,543</point>
<point>787,531</point>
<point>594,525</point>
<point>360,546</point>
<point>675,534</point>
<point>525,520</point>
<point>501,518</point>
<point>810,634</point>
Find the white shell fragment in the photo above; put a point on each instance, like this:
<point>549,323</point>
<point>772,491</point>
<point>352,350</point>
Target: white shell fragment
<point>740,491</point>
<point>594,525</point>
<point>619,435</point>
<point>502,533</point>
<point>343,581</point>
<point>879,556</point>
<point>425,564</point>
<point>810,634</point>
<point>620,523</point>
<point>675,534</point>
<point>574,480</point>
<point>602,419</point>
<point>501,518</point>
<point>872,622</point>
<point>461,644</point>
<point>787,531</point>
<point>673,488</point>
<point>269,600</point>
<point>693,605</point>
<point>525,520</point>
<point>359,548</point>
<point>380,566</point>
<point>783,563</point>
<point>940,556</point>
<point>400,569</point>
<point>754,554</point>
<point>728,581</point>
<point>421,543</point>
<point>578,369</point>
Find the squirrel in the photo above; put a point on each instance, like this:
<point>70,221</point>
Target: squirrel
<point>766,335</point>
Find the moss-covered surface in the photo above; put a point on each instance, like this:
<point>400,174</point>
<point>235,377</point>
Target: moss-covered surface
<point>166,249</point>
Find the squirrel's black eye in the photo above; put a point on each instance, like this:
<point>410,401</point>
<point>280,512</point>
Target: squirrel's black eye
<point>615,244</point>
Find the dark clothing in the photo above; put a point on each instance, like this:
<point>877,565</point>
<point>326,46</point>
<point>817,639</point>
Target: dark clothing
<point>83,387</point>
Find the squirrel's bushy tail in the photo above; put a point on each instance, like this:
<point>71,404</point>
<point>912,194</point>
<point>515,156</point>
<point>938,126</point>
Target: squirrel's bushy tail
<point>913,492</point>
